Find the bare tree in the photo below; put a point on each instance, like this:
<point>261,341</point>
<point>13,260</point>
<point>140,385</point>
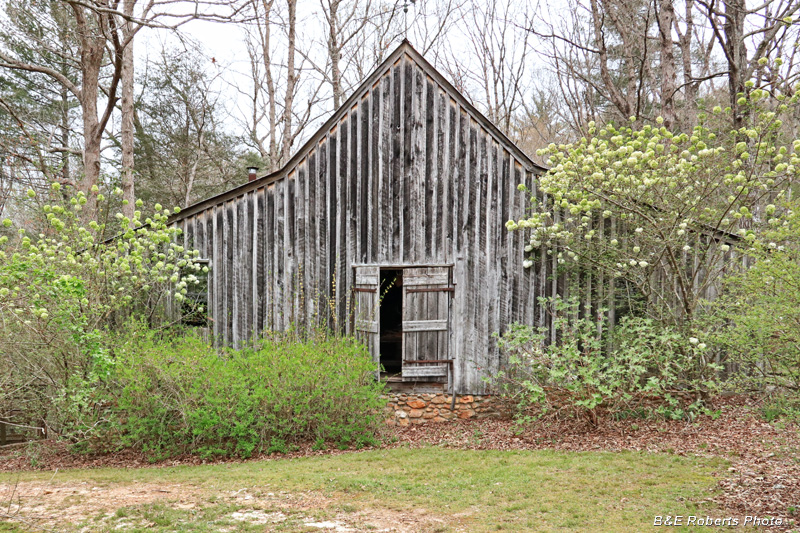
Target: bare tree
<point>495,75</point>
<point>359,34</point>
<point>126,132</point>
<point>612,59</point>
<point>766,27</point>
<point>659,57</point>
<point>541,120</point>
<point>289,133</point>
<point>102,31</point>
<point>344,22</point>
<point>273,118</point>
<point>259,49</point>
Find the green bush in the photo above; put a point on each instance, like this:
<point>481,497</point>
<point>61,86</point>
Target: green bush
<point>756,323</point>
<point>62,289</point>
<point>780,406</point>
<point>639,363</point>
<point>181,396</point>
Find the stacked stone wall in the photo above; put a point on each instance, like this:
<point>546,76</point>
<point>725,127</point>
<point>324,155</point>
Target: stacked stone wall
<point>403,409</point>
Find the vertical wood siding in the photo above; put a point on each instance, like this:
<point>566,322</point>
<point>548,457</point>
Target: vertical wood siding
<point>408,175</point>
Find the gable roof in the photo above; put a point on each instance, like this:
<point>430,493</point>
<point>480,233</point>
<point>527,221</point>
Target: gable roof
<point>404,48</point>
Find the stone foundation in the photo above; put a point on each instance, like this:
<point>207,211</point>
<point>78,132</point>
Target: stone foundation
<point>403,409</point>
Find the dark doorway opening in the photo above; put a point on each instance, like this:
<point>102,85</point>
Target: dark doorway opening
<point>391,333</point>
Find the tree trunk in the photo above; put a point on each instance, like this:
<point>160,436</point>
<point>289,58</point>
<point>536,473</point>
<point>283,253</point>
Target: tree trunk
<point>736,55</point>
<point>91,60</point>
<point>620,102</point>
<point>127,140</point>
<point>92,53</point>
<point>64,126</point>
<point>291,81</point>
<point>335,52</point>
<point>270,150</point>
<point>666,19</point>
<point>273,115</point>
<point>690,88</point>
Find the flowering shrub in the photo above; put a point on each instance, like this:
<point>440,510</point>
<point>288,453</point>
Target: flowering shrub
<point>639,363</point>
<point>662,210</point>
<point>62,288</point>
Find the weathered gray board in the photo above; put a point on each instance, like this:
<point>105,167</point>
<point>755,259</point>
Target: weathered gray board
<point>366,312</point>
<point>425,371</point>
<point>405,173</point>
<point>426,317</point>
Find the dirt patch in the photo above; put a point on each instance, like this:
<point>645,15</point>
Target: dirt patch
<point>82,506</point>
<point>51,504</point>
<point>303,508</point>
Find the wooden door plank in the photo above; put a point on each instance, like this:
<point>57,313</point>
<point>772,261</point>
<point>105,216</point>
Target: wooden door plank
<point>366,311</point>
<point>426,316</point>
<point>424,371</point>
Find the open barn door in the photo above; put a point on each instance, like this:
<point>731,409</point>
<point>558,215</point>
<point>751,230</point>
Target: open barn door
<point>366,313</point>
<point>426,322</point>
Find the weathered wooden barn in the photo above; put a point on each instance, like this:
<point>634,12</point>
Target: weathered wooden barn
<point>392,216</point>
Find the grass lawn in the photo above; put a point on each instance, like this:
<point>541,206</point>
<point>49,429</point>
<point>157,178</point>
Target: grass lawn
<point>426,489</point>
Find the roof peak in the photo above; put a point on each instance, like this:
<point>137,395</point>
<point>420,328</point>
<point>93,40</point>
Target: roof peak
<point>405,48</point>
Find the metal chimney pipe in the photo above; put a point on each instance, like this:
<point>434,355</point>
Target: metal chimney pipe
<point>251,173</point>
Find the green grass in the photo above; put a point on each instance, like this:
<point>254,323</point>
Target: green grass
<point>470,490</point>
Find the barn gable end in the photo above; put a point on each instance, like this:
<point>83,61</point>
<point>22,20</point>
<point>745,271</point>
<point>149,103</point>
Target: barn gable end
<point>406,176</point>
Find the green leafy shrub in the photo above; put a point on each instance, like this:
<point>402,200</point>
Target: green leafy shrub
<point>639,363</point>
<point>755,325</point>
<point>63,288</point>
<point>180,395</point>
<point>779,406</point>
